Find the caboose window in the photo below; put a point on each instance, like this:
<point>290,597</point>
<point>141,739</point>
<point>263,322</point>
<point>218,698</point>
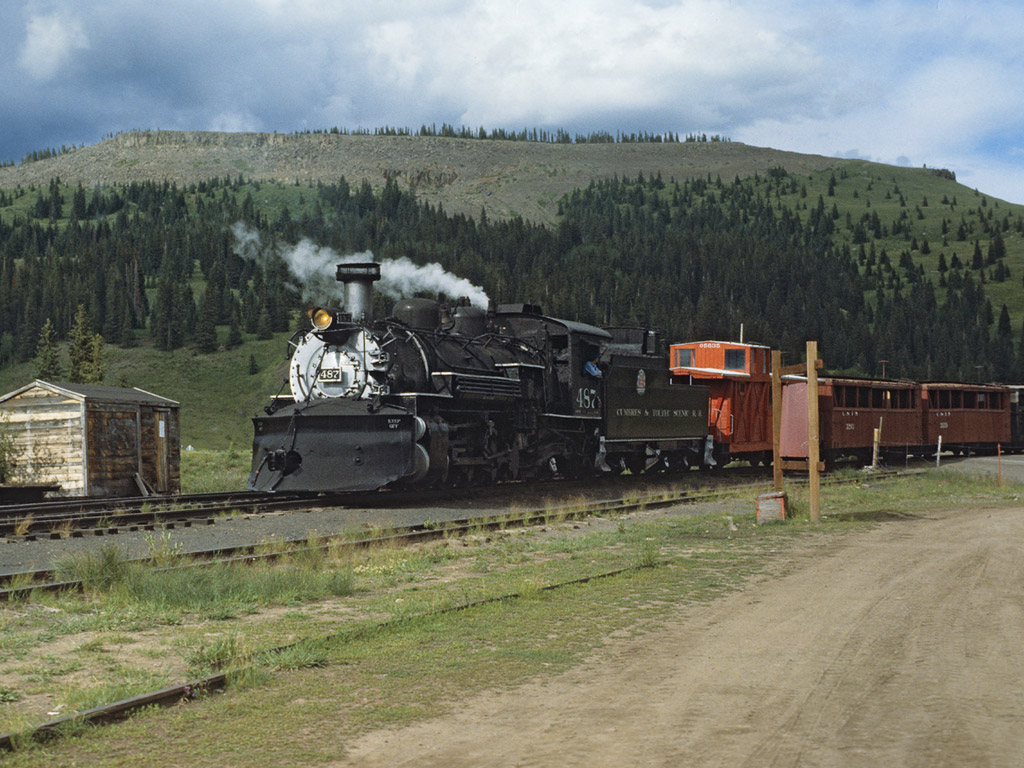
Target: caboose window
<point>735,359</point>
<point>684,358</point>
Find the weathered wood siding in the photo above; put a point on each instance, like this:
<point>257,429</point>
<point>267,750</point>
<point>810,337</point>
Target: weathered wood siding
<point>161,453</point>
<point>94,440</point>
<point>47,433</point>
<point>112,437</point>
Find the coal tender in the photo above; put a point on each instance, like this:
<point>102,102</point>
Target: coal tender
<point>457,395</point>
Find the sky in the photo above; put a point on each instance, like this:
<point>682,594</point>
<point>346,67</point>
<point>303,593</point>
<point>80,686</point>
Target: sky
<point>937,82</point>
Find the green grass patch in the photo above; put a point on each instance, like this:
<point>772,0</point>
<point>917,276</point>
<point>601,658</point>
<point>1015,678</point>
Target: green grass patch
<point>393,646</point>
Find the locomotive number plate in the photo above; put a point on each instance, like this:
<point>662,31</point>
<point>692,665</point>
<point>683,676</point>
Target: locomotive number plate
<point>329,374</point>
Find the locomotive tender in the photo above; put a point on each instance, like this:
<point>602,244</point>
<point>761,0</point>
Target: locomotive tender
<point>460,395</point>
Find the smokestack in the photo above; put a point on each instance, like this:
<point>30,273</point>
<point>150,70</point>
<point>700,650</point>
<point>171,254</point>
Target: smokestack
<point>358,280</point>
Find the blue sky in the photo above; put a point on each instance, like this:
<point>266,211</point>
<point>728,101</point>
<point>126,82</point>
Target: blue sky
<point>934,83</point>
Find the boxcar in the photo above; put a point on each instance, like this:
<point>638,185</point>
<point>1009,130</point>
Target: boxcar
<point>739,378</point>
<point>966,416</point>
<point>849,411</point>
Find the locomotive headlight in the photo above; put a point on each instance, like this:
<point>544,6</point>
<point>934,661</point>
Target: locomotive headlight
<point>321,318</point>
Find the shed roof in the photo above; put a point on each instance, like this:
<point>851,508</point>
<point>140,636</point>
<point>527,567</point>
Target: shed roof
<point>95,393</point>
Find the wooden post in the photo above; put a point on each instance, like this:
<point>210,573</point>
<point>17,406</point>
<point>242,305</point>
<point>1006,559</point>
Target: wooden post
<point>813,450</point>
<point>777,418</point>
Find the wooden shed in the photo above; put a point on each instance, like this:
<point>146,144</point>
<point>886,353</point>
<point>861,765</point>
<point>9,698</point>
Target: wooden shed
<point>95,440</point>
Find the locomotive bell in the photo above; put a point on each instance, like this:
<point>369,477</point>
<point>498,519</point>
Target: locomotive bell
<point>358,280</point>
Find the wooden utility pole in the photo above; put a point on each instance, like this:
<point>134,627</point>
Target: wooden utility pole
<point>777,418</point>
<point>813,464</point>
<point>813,448</point>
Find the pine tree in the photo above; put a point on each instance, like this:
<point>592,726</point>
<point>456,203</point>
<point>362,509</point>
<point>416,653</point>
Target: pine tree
<point>96,367</point>
<point>206,325</point>
<point>80,349</point>
<point>264,330</point>
<point>234,339</point>
<point>48,365</point>
<point>1002,347</point>
<point>996,249</point>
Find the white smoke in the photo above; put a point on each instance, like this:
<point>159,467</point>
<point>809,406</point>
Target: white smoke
<point>313,269</point>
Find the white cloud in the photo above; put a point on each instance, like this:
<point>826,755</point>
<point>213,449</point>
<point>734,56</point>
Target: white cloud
<point>50,42</point>
<point>935,81</point>
<point>536,61</point>
<point>233,122</point>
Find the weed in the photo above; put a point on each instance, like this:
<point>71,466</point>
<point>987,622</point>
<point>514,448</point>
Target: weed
<point>8,695</point>
<point>19,581</point>
<point>211,655</point>
<point>312,555</point>
<point>95,569</point>
<point>20,728</point>
<point>529,589</point>
<point>122,685</point>
<point>23,525</point>
<point>242,678</point>
<point>163,553</point>
<point>649,552</point>
<point>311,653</point>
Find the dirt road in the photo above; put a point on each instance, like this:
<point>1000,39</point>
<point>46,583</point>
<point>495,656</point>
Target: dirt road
<point>904,646</point>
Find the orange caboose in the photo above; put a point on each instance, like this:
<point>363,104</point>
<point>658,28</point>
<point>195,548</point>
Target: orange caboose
<point>739,413</point>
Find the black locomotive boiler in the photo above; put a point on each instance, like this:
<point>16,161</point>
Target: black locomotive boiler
<point>461,395</point>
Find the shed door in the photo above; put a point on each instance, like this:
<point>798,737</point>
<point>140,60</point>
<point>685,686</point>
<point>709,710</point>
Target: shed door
<point>160,441</point>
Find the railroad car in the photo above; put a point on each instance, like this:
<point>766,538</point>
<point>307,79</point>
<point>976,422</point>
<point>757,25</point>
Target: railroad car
<point>967,417</point>
<point>739,411</point>
<point>458,395</point>
<point>849,410</point>
<point>1016,417</point>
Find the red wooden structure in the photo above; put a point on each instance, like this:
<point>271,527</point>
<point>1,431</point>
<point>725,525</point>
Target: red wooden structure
<point>965,415</point>
<point>739,413</point>
<point>849,412</point>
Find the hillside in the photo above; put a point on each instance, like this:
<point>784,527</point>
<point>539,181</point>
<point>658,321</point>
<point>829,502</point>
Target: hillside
<point>877,262</point>
<point>505,178</point>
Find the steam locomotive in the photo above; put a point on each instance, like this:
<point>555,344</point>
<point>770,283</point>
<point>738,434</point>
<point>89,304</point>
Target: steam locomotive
<point>451,395</point>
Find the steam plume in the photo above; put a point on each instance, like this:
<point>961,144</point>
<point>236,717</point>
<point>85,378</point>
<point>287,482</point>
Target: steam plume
<point>313,268</point>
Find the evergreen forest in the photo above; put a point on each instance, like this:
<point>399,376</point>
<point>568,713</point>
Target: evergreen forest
<point>791,258</point>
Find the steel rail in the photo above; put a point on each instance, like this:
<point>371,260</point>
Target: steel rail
<point>416,533</point>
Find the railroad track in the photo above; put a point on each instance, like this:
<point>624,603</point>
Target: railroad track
<point>63,518</point>
<point>411,534</point>
<point>415,533</point>
<point>82,516</point>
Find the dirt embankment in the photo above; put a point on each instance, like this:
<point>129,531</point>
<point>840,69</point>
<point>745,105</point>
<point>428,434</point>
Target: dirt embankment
<point>505,178</point>
<point>902,647</point>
